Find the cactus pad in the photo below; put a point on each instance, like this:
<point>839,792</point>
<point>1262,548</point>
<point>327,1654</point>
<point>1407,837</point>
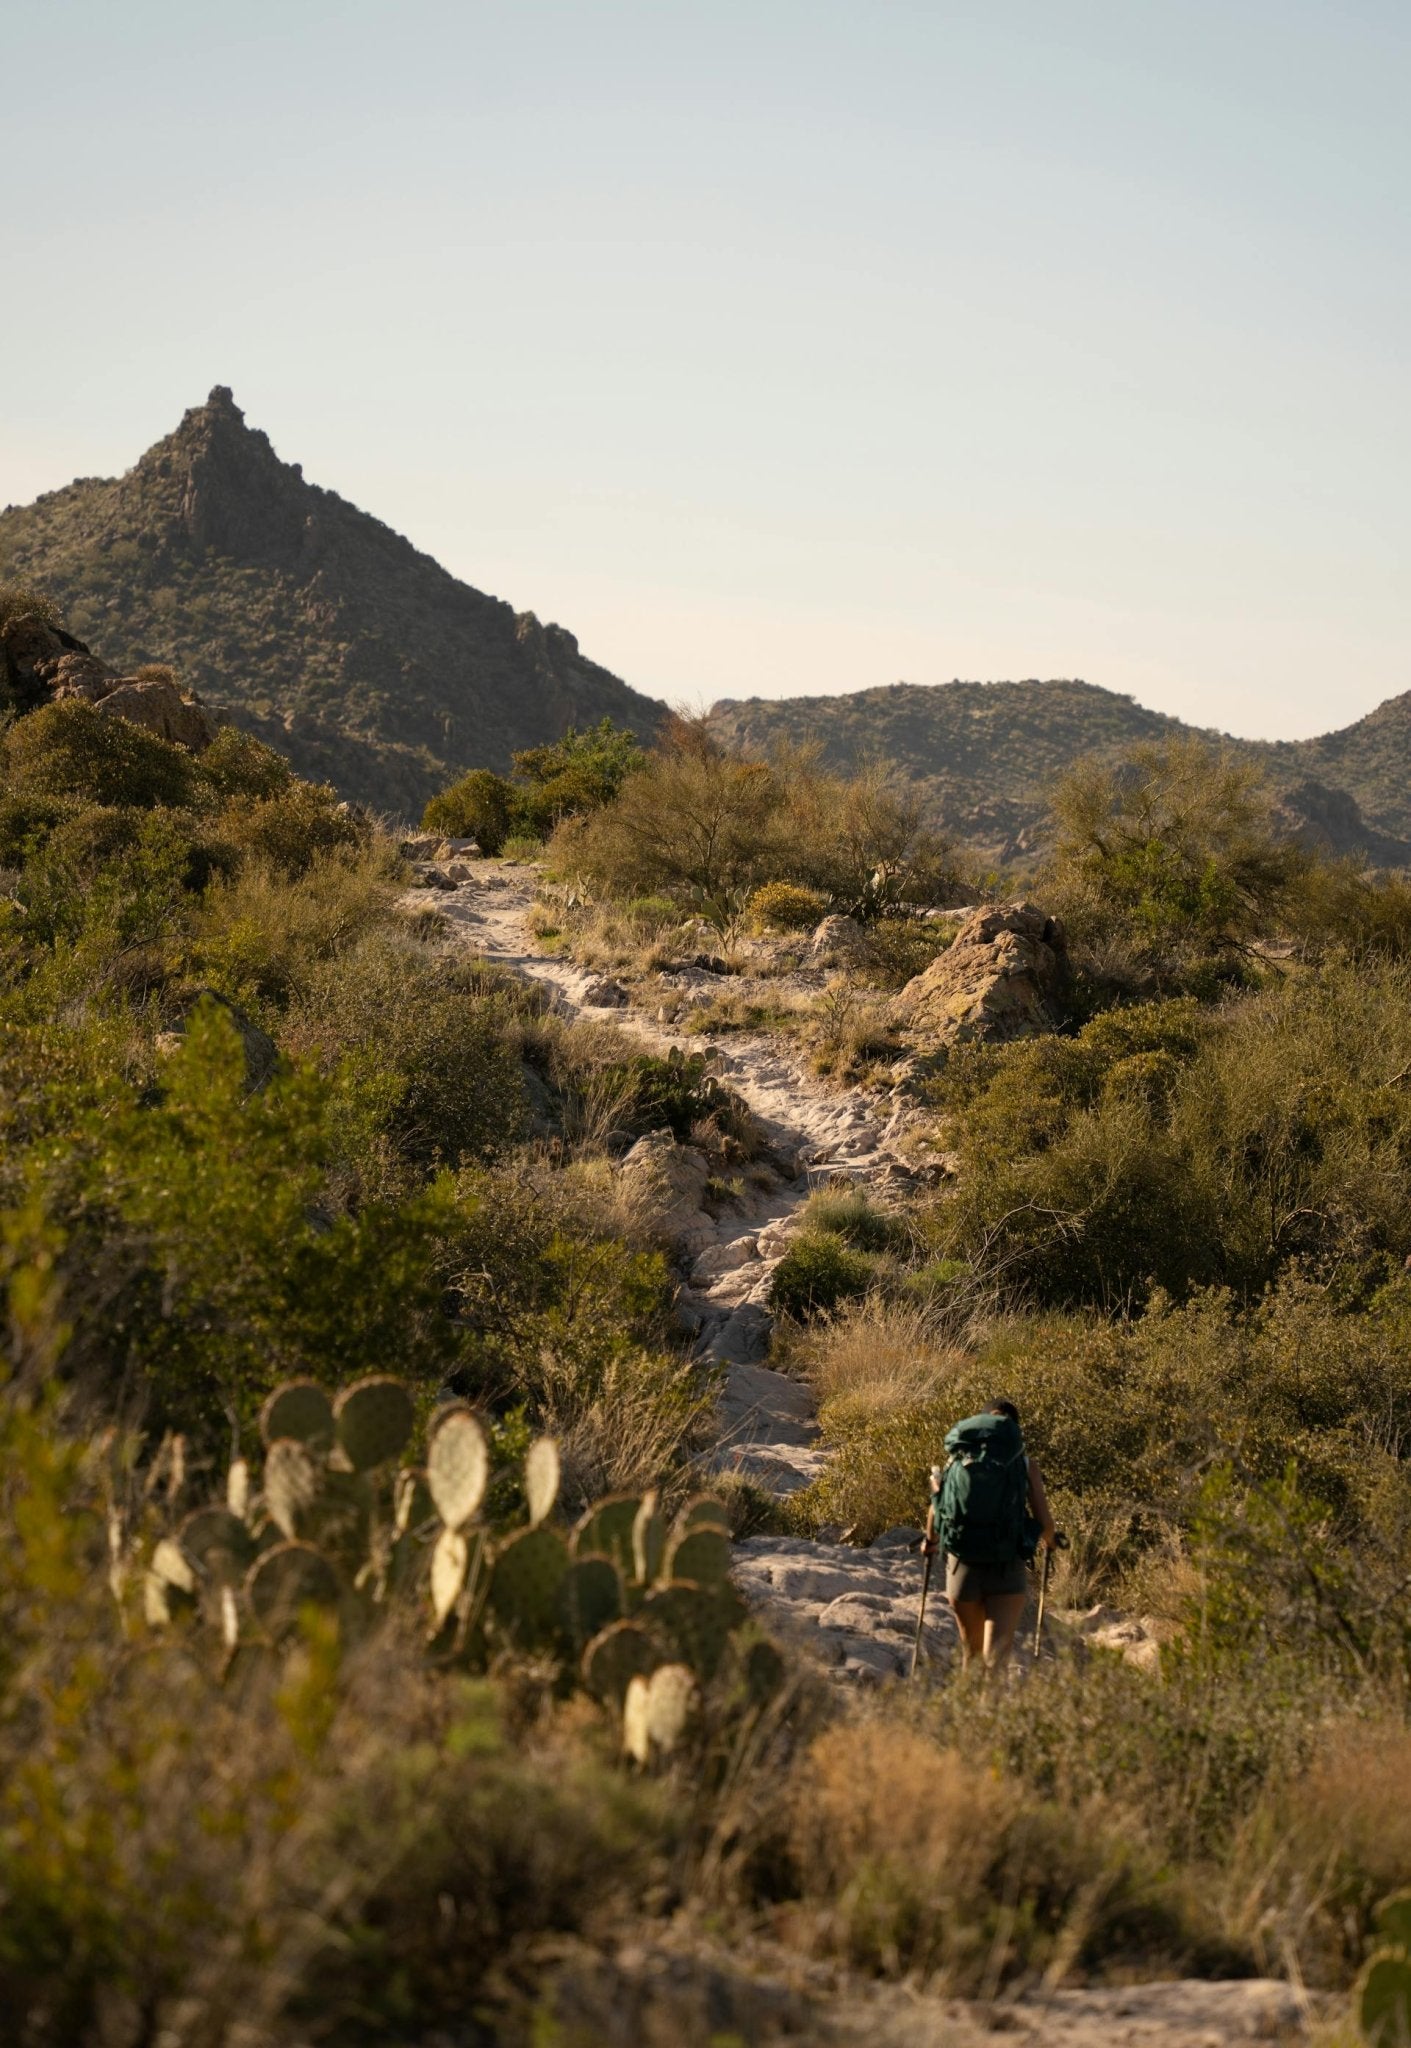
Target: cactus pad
<point>606,1530</point>
<point>293,1481</point>
<point>648,1540</point>
<point>704,1512</point>
<point>457,1465</point>
<point>700,1554</point>
<point>615,1657</point>
<point>589,1598</point>
<point>524,1584</point>
<point>1393,1921</point>
<point>217,1543</point>
<point>372,1421</point>
<point>173,1567</point>
<point>449,1560</point>
<point>414,1506</point>
<point>299,1409</point>
<point>636,1721</point>
<point>695,1621</point>
<point>237,1488</point>
<point>1383,1998</point>
<point>286,1579</point>
<point>763,1670</point>
<point>541,1478</point>
<point>672,1698</point>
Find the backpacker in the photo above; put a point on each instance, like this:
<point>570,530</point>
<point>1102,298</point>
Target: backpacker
<point>981,1507</point>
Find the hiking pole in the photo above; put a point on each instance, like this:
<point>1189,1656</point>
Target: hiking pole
<point>1059,1543</point>
<point>934,1540</point>
<point>921,1617</point>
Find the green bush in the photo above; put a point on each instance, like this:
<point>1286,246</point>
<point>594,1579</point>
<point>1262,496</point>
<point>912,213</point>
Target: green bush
<point>817,1272</point>
<point>1164,1146</point>
<point>236,764</point>
<point>481,806</point>
<point>785,907</point>
<point>851,1214</point>
<point>292,828</point>
<point>69,750</point>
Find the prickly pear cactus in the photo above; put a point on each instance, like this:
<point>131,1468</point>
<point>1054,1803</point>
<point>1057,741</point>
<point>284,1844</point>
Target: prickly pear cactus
<point>1384,1998</point>
<point>457,1466</point>
<point>695,1621</point>
<point>217,1543</point>
<point>606,1531</point>
<point>299,1409</point>
<point>701,1555</point>
<point>673,1697</point>
<point>704,1512</point>
<point>524,1585</point>
<point>648,1540</point>
<point>284,1581</point>
<point>293,1481</point>
<point>413,1506</point>
<point>541,1479</point>
<point>616,1656</point>
<point>449,1562</point>
<point>589,1598</point>
<point>373,1421</point>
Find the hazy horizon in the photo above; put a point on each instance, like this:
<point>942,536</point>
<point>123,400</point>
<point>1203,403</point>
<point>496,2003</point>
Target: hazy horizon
<point>772,350</point>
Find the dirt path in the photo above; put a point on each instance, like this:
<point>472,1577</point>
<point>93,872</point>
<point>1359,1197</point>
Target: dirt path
<point>856,1609</point>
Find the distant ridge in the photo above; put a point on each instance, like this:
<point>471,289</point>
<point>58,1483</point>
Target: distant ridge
<point>310,621</point>
<point>989,754</point>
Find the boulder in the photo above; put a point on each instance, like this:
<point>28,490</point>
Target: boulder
<point>837,938</point>
<point>35,654</point>
<point>163,709</point>
<point>605,995</point>
<point>666,1183</point>
<point>1005,977</point>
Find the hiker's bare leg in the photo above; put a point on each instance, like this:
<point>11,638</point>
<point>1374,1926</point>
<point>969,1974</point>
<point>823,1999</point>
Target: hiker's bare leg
<point>970,1615</point>
<point>1003,1615</point>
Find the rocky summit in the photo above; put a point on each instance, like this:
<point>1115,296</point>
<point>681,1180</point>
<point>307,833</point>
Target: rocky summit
<point>306,620</point>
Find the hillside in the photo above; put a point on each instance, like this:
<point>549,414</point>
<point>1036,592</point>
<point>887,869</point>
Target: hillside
<point>989,754</point>
<point>312,623</point>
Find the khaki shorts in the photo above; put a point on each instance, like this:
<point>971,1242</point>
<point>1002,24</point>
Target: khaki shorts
<point>978,1583</point>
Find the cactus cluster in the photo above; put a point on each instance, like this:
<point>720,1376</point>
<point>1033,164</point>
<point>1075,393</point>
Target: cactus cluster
<point>641,1614</point>
<point>1384,1988</point>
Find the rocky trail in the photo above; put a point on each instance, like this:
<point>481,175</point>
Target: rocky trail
<point>854,1609</point>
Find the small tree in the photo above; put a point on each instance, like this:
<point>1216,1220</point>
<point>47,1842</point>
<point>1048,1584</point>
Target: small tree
<point>482,806</point>
<point>1173,849</point>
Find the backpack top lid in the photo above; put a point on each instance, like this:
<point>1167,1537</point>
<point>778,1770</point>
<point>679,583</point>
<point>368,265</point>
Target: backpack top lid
<point>992,1437</point>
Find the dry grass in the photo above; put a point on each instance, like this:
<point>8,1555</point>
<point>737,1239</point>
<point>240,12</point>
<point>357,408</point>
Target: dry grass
<point>876,1357</point>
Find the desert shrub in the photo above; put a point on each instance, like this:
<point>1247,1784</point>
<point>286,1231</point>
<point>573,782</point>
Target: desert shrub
<point>1162,1146</point>
<point>193,1260</point>
<point>482,806</point>
<point>1340,906</point>
<point>236,764</point>
<point>785,907</point>
<point>1172,847</point>
<point>876,1354</point>
<point>427,1041</point>
<point>118,873</point>
<point>577,773</point>
<point>16,599</point>
<point>817,1272</point>
<point>69,750</point>
<point>695,822</point>
<point>260,936</point>
<point>898,948</point>
<point>292,828</point>
<point>519,846</point>
<point>919,1864</point>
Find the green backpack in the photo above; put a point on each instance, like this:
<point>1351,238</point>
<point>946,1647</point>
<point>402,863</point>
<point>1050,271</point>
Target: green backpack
<point>981,1508</point>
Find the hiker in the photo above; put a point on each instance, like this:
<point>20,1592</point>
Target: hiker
<point>990,1513</point>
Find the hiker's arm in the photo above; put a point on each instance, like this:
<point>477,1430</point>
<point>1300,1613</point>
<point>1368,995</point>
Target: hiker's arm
<point>1038,1501</point>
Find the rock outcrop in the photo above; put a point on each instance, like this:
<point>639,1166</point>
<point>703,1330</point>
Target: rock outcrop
<point>42,664</point>
<point>1004,977</point>
<point>667,1182</point>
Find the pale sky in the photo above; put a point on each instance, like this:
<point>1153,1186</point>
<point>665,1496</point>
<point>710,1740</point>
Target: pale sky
<point>775,347</point>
